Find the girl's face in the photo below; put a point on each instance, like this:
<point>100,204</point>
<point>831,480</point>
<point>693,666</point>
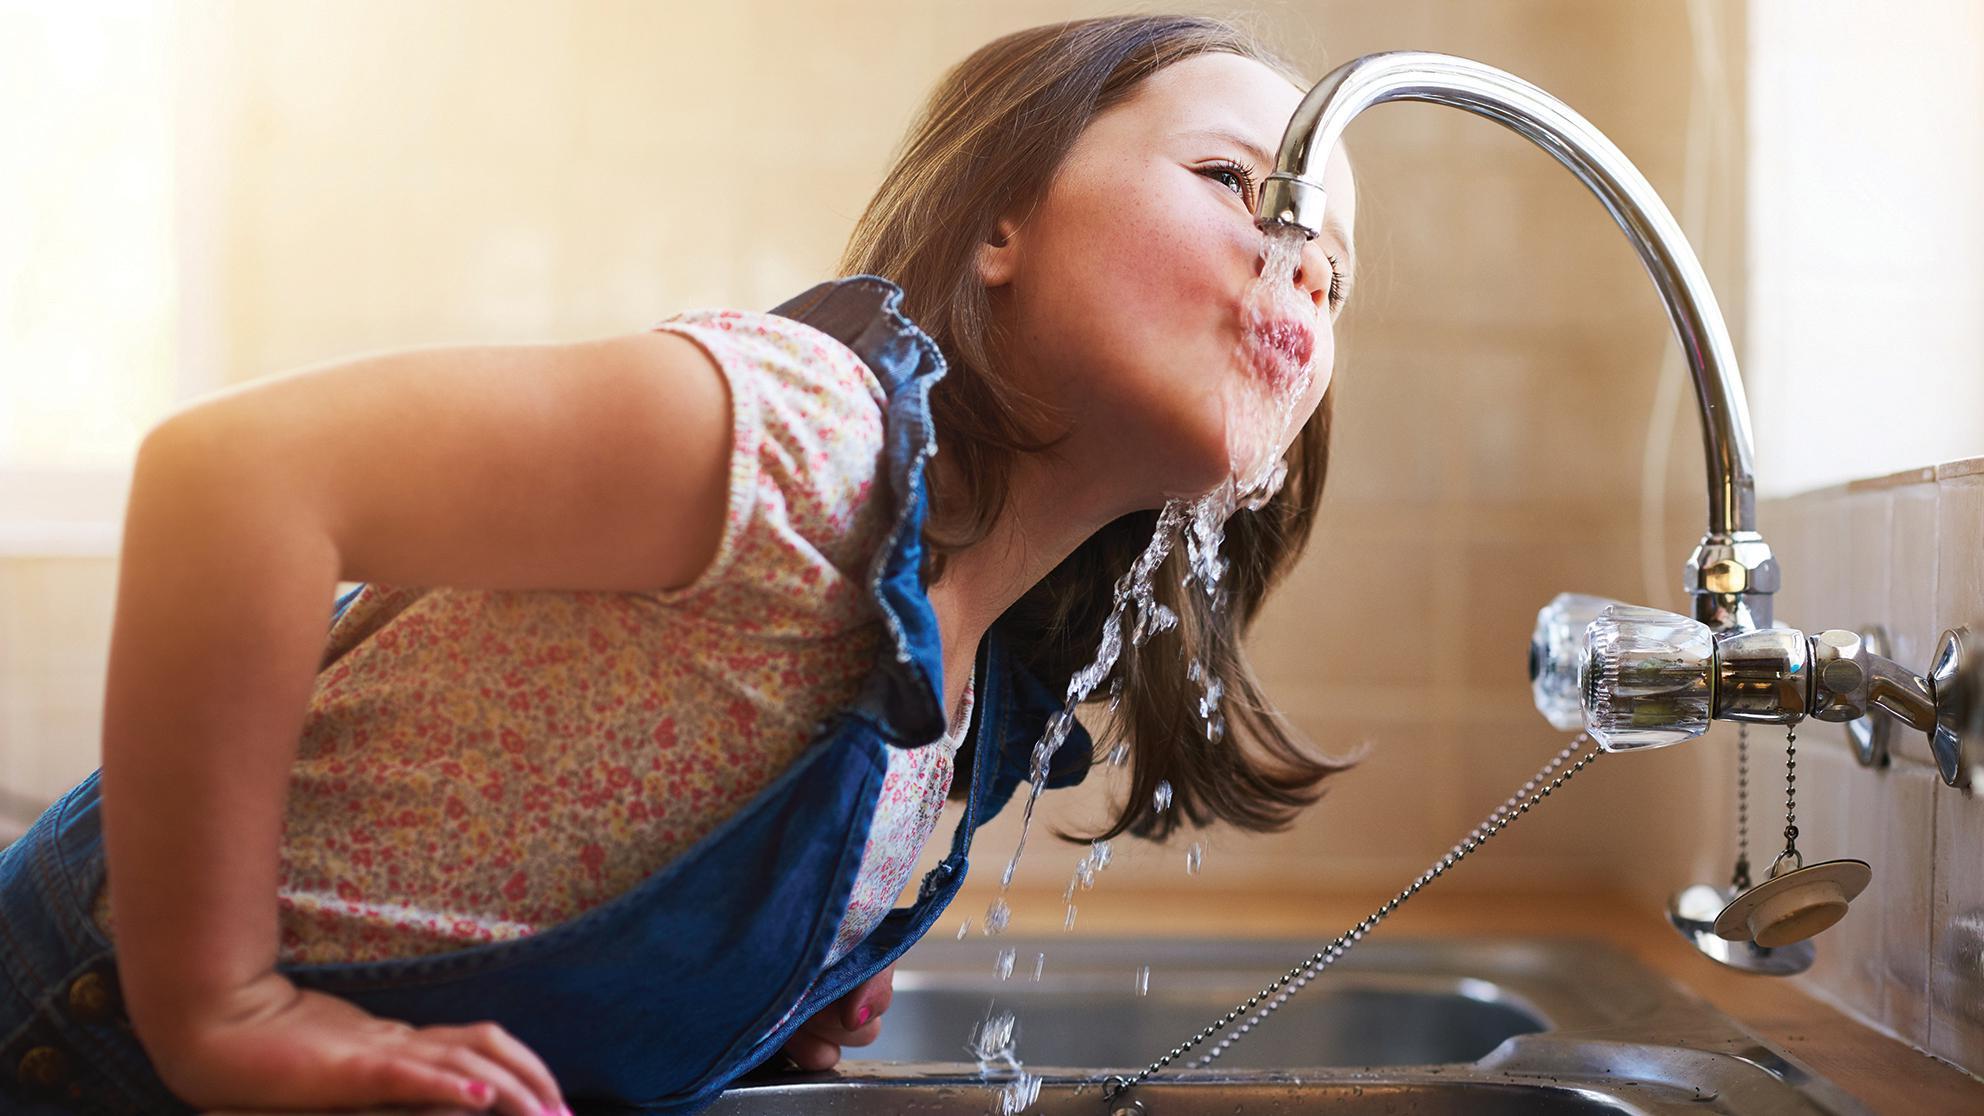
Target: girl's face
<point>1120,297</point>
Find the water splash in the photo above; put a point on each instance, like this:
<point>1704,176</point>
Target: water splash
<point>994,1042</point>
<point>1143,980</point>
<point>1261,411</point>
<point>964,928</point>
<point>1087,868</point>
<point>1194,857</point>
<point>1003,967</point>
<point>1160,799</point>
<point>998,915</point>
<point>1039,965</point>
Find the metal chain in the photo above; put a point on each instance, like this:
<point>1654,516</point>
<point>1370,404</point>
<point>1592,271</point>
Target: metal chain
<point>1297,978</point>
<point>1740,882</point>
<point>1791,792</point>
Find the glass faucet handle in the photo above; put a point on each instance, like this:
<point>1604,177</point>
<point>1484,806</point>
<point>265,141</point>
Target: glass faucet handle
<point>1647,677</point>
<point>1555,652</point>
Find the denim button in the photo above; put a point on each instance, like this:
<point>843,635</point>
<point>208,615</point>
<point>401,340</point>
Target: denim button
<point>44,1067</point>
<point>93,998</point>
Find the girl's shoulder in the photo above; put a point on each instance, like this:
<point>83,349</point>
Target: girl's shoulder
<point>782,356</point>
<point>807,427</point>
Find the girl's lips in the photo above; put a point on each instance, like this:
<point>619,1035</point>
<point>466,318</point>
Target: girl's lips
<point>1291,339</point>
<point>1281,348</point>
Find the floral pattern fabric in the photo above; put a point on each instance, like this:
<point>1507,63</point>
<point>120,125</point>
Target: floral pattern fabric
<point>480,765</point>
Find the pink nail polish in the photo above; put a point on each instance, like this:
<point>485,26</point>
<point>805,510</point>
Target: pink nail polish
<point>861,1017</point>
<point>477,1092</point>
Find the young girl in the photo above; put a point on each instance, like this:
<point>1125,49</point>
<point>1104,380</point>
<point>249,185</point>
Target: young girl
<point>672,645</point>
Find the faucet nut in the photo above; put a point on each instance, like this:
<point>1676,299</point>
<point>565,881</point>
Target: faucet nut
<point>1842,675</point>
<point>1732,566</point>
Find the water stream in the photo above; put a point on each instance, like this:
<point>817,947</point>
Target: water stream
<point>1263,404</point>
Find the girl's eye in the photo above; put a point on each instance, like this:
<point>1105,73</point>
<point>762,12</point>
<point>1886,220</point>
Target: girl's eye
<point>1244,176</point>
<point>1336,283</point>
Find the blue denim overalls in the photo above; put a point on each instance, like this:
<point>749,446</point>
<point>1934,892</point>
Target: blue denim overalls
<point>665,994</point>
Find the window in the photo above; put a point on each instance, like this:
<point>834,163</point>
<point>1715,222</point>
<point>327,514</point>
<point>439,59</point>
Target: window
<point>1866,349</point>
<point>92,257</point>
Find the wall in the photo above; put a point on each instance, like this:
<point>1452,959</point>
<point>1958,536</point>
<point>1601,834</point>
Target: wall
<point>1866,161</point>
<point>397,175</point>
<point>1905,552</point>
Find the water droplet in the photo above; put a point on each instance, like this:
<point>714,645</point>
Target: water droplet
<point>1143,980</point>
<point>963,929</point>
<point>1039,963</point>
<point>1160,798</point>
<point>1119,755</point>
<point>992,1040</point>
<point>997,916</point>
<point>1004,966</point>
<point>1100,852</point>
<point>1195,855</point>
<point>1069,922</point>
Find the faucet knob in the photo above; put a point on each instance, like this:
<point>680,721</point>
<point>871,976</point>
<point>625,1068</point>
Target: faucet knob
<point>1647,679</point>
<point>1556,650</point>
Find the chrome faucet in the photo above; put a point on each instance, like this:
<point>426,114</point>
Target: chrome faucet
<point>1732,573</point>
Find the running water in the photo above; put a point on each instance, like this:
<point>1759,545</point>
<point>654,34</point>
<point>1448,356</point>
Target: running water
<point>992,1043</point>
<point>1263,406</point>
<point>1276,347</point>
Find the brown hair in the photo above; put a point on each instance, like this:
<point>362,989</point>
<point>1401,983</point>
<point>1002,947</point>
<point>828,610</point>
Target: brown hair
<point>988,142</point>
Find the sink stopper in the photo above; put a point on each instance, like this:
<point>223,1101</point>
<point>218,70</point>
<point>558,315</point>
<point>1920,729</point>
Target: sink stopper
<point>1795,902</point>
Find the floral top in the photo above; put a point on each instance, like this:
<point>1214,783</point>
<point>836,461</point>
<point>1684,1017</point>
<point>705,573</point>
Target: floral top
<point>479,765</point>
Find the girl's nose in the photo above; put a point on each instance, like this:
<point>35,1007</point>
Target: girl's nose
<point>1312,271</point>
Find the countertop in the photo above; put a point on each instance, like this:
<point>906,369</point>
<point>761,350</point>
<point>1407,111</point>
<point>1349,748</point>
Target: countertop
<point>1884,1073</point>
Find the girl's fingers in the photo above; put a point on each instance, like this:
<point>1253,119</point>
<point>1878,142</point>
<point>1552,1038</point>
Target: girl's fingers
<point>811,1052</point>
<point>864,1035</point>
<point>504,1092</point>
<point>506,1050</point>
<point>824,1028</point>
<point>408,1076</point>
<point>868,1001</point>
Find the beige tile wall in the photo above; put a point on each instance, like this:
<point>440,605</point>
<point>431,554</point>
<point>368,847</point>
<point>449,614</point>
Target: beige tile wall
<point>459,172</point>
<point>1905,552</point>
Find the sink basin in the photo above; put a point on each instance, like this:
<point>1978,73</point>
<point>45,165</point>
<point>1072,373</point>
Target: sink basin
<point>1346,1018</point>
<point>1513,1025</point>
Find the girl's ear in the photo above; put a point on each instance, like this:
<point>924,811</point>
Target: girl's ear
<point>998,254</point>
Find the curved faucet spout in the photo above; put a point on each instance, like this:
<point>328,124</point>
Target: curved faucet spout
<point>1732,573</point>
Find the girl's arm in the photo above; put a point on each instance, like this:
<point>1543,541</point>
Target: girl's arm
<point>599,465</point>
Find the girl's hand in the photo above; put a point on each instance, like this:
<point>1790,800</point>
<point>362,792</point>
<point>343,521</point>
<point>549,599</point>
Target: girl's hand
<point>854,1020</point>
<point>275,1046</point>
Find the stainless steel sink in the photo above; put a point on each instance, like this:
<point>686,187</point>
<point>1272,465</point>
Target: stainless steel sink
<point>1519,1026</point>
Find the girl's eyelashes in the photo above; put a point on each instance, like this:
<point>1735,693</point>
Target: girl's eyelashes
<point>1336,283</point>
<point>1238,171</point>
